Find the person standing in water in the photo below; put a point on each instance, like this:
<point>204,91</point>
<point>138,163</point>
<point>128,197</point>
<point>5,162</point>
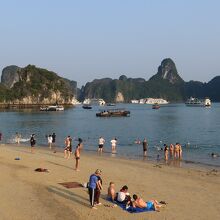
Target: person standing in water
<point>114,142</point>
<point>32,142</point>
<point>54,141</point>
<point>180,151</point>
<point>17,138</point>
<point>101,144</point>
<point>177,151</point>
<point>50,139</point>
<point>171,150</point>
<point>145,147</point>
<point>0,136</point>
<point>166,152</point>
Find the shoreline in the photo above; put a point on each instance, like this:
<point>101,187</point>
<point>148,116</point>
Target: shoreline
<point>41,195</point>
<point>178,163</point>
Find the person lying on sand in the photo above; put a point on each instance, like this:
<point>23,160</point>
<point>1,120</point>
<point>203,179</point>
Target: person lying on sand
<point>151,205</point>
<point>111,192</point>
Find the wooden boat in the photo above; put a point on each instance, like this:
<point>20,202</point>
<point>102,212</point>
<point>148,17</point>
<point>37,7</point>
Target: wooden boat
<point>87,106</point>
<point>113,113</point>
<point>155,106</point>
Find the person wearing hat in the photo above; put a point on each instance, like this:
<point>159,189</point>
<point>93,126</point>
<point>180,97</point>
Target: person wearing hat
<point>93,184</point>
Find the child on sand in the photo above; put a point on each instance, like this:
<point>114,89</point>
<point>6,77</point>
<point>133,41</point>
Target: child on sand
<point>77,157</point>
<point>111,191</point>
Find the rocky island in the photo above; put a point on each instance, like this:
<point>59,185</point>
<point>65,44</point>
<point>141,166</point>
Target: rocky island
<point>32,86</point>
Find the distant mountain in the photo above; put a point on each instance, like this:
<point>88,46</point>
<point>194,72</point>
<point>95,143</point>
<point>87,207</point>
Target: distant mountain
<point>165,84</point>
<point>33,85</point>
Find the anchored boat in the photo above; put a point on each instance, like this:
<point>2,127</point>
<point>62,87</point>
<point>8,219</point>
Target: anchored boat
<point>87,106</point>
<point>113,113</point>
<point>52,108</point>
<point>155,106</point>
<point>195,102</point>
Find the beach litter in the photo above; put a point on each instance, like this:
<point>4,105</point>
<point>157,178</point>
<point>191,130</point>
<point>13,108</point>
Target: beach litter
<point>41,170</point>
<point>17,158</point>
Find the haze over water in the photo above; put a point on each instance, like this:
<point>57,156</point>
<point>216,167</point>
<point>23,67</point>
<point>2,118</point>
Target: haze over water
<point>197,129</point>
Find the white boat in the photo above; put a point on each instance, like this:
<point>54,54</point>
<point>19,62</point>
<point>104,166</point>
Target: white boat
<point>152,101</point>
<point>134,101</point>
<point>94,102</point>
<point>52,108</point>
<point>195,102</point>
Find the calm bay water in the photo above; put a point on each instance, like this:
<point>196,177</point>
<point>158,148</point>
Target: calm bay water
<point>197,129</point>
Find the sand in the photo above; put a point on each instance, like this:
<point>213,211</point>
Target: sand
<point>191,193</point>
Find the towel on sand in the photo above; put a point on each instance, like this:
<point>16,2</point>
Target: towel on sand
<point>132,209</point>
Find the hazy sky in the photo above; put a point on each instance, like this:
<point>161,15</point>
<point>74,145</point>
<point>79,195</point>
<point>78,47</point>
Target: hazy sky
<point>83,40</point>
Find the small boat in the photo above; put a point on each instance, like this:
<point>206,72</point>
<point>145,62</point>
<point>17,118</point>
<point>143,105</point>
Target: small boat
<point>155,106</point>
<point>113,113</point>
<point>110,104</point>
<point>52,108</point>
<point>87,106</point>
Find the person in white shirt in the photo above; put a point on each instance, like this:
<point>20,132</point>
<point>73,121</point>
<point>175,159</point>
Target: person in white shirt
<point>101,144</point>
<point>49,139</point>
<point>114,142</point>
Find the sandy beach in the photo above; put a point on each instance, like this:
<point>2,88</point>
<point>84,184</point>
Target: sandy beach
<point>191,193</point>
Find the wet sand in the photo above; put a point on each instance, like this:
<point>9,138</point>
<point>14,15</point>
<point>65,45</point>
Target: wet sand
<point>191,193</point>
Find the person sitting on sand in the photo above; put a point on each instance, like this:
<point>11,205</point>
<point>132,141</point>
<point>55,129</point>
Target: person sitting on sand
<point>123,196</point>
<point>150,205</point>
<point>111,191</point>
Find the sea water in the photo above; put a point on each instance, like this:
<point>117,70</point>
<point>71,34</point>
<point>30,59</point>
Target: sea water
<point>196,128</point>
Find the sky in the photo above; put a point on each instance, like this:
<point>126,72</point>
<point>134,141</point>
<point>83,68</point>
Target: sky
<point>87,39</point>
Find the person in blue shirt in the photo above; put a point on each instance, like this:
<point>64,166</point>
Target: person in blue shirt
<point>93,181</point>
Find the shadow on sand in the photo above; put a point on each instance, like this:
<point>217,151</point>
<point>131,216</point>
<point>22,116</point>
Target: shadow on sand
<point>69,195</point>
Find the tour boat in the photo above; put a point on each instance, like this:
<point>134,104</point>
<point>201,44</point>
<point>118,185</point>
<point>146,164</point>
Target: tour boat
<point>195,102</point>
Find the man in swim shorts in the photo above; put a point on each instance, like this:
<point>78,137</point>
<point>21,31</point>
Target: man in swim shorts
<point>101,144</point>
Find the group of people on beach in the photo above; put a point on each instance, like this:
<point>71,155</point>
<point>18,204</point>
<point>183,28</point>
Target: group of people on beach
<point>174,151</point>
<point>120,197</point>
<point>170,152</point>
<point>101,143</point>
